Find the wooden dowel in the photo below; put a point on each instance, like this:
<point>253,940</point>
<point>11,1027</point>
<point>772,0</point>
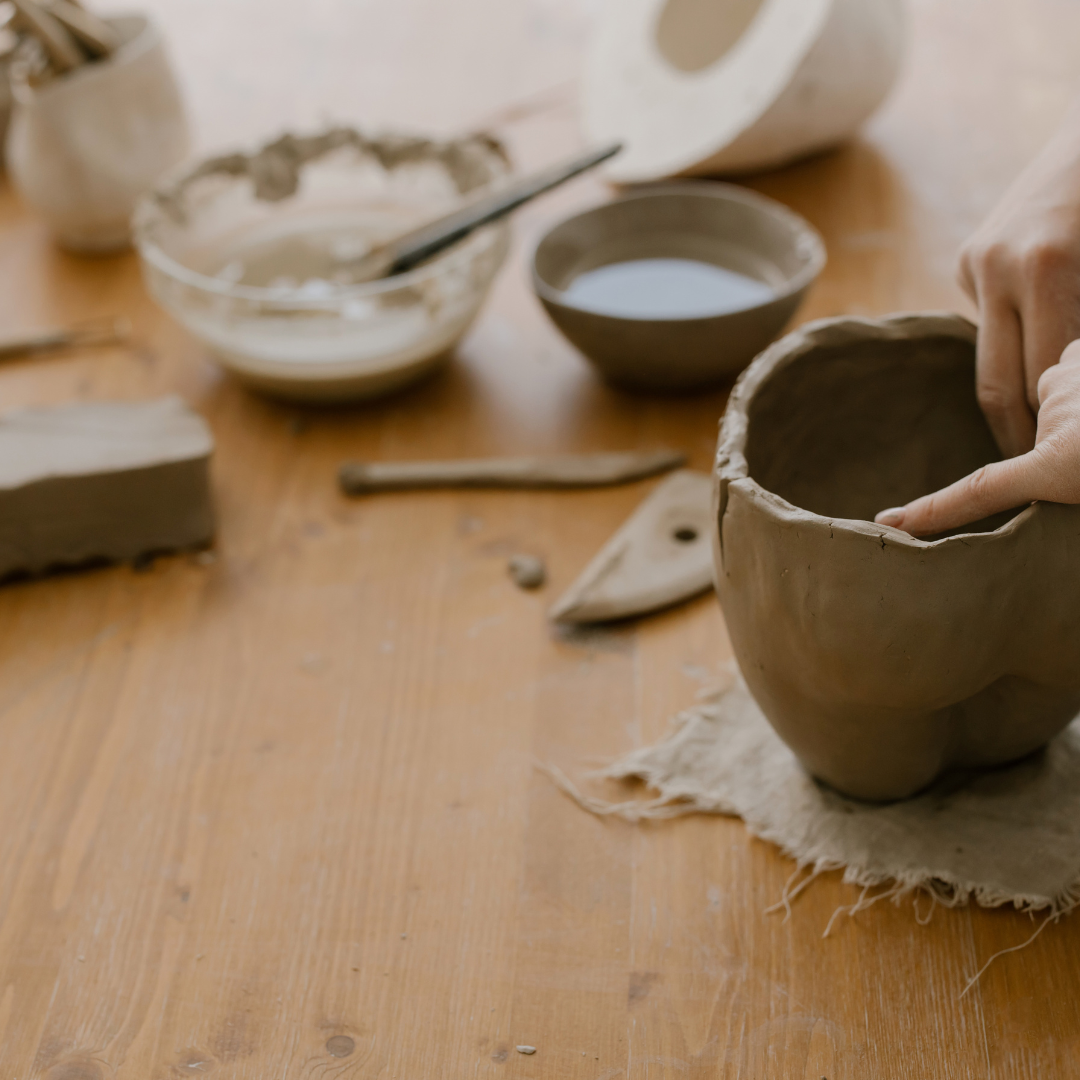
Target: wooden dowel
<point>567,471</point>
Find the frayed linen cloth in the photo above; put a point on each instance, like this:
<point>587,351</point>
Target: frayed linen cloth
<point>1008,836</point>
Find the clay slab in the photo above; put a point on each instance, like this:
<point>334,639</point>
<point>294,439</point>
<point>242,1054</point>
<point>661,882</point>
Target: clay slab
<point>660,556</point>
<point>109,481</point>
<point>884,661</point>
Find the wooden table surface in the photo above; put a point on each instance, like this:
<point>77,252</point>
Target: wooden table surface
<point>282,807</point>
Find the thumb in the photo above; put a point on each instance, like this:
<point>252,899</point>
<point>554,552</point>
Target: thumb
<point>989,490</point>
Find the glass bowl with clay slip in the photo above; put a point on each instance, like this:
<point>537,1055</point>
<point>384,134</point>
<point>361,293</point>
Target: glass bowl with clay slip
<point>253,253</point>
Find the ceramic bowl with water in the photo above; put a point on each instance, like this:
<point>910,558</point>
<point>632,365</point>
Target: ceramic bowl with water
<point>676,286</point>
<point>251,253</point>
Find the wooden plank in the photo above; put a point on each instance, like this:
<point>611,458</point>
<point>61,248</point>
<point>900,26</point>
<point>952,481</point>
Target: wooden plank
<point>228,789</point>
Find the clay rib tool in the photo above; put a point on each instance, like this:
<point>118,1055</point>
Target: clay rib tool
<point>660,556</point>
<point>92,332</point>
<point>95,35</point>
<point>63,50</point>
<point>568,471</point>
<point>417,245</point>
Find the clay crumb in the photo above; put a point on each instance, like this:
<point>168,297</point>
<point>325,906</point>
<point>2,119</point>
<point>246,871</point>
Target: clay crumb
<point>526,1049</point>
<point>527,571</point>
<point>206,558</point>
<point>404,936</point>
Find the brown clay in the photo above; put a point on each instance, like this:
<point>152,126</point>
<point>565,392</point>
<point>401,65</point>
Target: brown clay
<point>883,660</point>
<point>101,481</point>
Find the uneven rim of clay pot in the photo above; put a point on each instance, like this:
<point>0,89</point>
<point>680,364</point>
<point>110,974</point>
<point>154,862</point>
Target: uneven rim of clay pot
<point>731,464</point>
<point>805,239</point>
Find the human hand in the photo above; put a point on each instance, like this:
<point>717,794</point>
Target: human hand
<point>1050,472</point>
<point>1022,269</point>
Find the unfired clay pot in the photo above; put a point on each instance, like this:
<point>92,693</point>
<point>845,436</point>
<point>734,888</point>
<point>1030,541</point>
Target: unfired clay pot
<point>84,147</point>
<point>882,660</point>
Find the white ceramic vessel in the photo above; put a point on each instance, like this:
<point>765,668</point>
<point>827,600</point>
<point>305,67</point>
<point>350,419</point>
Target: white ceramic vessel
<point>84,147</point>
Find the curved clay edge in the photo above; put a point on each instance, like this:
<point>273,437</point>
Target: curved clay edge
<point>709,147</point>
<point>807,239</point>
<point>731,466</point>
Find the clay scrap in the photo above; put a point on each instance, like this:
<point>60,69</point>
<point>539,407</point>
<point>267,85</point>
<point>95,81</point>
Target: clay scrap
<point>105,481</point>
<point>567,471</point>
<point>660,556</point>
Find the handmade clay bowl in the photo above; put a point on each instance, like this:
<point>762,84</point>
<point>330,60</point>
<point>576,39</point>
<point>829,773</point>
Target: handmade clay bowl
<point>881,660</point>
<point>703,222</point>
<point>251,252</point>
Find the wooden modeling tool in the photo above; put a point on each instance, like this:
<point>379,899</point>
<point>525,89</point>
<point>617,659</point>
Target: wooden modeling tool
<point>568,471</point>
<point>420,244</point>
<point>661,556</point>
<point>108,331</point>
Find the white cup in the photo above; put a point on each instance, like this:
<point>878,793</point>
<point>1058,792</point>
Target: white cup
<point>83,147</point>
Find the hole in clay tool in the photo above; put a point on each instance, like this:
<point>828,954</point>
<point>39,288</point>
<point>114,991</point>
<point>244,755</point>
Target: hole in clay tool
<point>685,534</point>
<point>693,34</point>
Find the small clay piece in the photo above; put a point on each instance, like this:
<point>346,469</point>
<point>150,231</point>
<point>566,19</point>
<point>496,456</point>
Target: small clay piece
<point>880,659</point>
<point>527,571</point>
<point>660,556</point>
<point>704,87</point>
<point>568,471</point>
<point>526,1049</point>
<point>112,481</point>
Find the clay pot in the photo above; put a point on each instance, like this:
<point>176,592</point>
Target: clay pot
<point>882,660</point>
<point>83,147</point>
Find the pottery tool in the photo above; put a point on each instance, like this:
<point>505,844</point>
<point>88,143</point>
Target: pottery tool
<point>95,35</point>
<point>110,481</point>
<point>62,48</point>
<point>660,556</point>
<point>68,35</point>
<point>109,331</point>
<point>700,88</point>
<point>419,244</point>
<point>567,471</point>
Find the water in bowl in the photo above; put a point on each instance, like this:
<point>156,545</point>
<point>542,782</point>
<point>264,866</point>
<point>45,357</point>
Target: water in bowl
<point>665,289</point>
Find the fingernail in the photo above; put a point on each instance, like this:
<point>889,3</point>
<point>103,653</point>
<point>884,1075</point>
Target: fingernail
<point>893,517</point>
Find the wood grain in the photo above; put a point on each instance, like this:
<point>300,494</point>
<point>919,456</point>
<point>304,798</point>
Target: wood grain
<point>276,816</point>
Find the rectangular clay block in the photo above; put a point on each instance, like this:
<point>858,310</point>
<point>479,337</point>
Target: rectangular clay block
<point>108,481</point>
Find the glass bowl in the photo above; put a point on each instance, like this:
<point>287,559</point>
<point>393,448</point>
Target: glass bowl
<point>250,252</point>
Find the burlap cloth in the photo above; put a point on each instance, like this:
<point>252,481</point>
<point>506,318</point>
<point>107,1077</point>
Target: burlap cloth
<point>1010,836</point>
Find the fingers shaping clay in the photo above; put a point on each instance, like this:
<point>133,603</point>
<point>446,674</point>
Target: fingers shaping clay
<point>101,481</point>
<point>883,660</point>
<point>660,556</point>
